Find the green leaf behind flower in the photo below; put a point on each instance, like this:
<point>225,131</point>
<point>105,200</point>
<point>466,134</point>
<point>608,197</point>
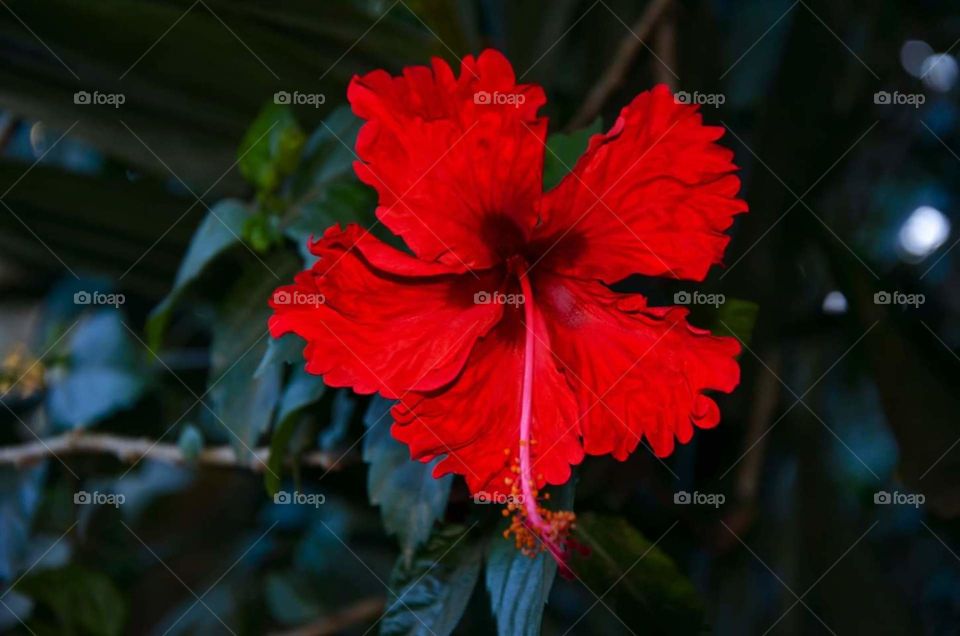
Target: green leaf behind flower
<point>410,499</point>
<point>432,591</point>
<point>562,152</point>
<point>641,584</point>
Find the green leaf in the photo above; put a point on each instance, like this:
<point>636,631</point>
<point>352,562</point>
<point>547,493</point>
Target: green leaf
<point>410,499</point>
<point>341,413</point>
<point>324,190</point>
<point>83,601</point>
<point>262,231</point>
<point>220,230</point>
<point>736,318</point>
<point>271,148</point>
<point>288,348</point>
<point>278,452</point>
<point>102,374</point>
<point>302,390</point>
<point>646,590</point>
<point>340,202</point>
<point>20,492</point>
<point>563,150</point>
<point>100,339</point>
<point>88,395</point>
<point>328,154</point>
<point>434,588</point>
<point>519,587</point>
<point>244,392</point>
<point>245,403</point>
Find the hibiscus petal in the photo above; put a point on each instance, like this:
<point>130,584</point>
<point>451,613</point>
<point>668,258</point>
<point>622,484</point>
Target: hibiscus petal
<point>457,162</point>
<point>637,371</point>
<point>653,196</point>
<point>377,319</point>
<point>477,418</point>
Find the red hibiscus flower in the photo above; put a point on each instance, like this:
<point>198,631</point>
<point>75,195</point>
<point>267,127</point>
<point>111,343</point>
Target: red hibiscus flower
<point>507,353</point>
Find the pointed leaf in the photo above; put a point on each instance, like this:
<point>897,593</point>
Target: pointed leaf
<point>220,230</point>
<point>245,395</point>
<point>410,499</point>
<point>563,150</point>
<point>519,587</point>
<point>341,413</point>
<point>20,492</point>
<point>102,373</point>
<point>433,590</point>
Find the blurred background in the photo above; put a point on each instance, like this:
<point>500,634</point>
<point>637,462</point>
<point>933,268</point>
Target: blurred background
<point>165,468</point>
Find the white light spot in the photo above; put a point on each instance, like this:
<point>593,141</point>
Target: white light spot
<point>940,72</point>
<point>835,303</point>
<point>923,232</point>
<point>912,55</point>
<point>38,138</point>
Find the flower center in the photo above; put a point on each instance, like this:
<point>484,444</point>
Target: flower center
<point>534,527</point>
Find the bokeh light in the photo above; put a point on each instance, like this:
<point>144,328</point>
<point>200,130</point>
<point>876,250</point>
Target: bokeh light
<point>926,229</point>
<point>940,72</point>
<point>913,53</point>
<point>835,303</point>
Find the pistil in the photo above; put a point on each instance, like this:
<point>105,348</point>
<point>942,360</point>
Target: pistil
<point>534,527</point>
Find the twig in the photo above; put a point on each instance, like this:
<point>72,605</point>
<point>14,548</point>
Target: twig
<point>665,46</point>
<point>129,450</point>
<point>613,77</point>
<point>767,397</point>
<point>360,612</point>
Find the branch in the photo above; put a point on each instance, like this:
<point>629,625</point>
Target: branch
<point>665,47</point>
<point>611,80</point>
<point>359,612</point>
<point>130,450</point>
<point>766,399</point>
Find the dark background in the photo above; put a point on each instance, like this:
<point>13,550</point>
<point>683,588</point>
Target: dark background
<point>843,398</point>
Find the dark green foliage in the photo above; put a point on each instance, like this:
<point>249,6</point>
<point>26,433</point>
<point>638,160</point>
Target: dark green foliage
<point>432,591</point>
<point>80,601</point>
<point>638,582</point>
<point>410,498</point>
<point>117,200</point>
